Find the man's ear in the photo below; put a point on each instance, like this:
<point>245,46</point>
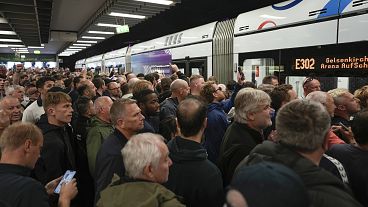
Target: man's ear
<point>250,115</point>
<point>27,145</point>
<point>50,110</point>
<point>147,171</point>
<point>120,122</point>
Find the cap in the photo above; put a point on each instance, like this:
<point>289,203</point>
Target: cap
<point>270,184</point>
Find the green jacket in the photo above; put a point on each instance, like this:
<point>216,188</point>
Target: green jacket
<point>138,194</point>
<point>98,132</point>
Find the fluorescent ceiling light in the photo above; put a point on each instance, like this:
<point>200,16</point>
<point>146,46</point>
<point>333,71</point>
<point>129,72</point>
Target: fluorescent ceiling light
<point>163,2</point>
<point>22,52</point>
<point>100,32</point>
<point>10,40</point>
<point>86,41</point>
<point>35,47</point>
<point>82,45</point>
<point>107,25</point>
<point>93,38</point>
<point>2,32</point>
<point>134,16</point>
<point>3,20</point>
<point>266,16</point>
<point>18,48</point>
<point>6,45</point>
<point>77,47</point>
<point>73,49</point>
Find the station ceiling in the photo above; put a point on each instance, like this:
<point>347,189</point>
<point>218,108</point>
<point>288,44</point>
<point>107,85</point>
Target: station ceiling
<point>35,21</point>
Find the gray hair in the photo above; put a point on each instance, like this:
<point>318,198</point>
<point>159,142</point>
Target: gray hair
<point>248,100</point>
<point>141,150</point>
<point>101,102</point>
<point>117,110</point>
<point>303,125</point>
<point>317,96</point>
<point>11,89</point>
<point>337,95</point>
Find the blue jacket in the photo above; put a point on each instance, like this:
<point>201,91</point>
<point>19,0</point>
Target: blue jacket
<point>216,126</point>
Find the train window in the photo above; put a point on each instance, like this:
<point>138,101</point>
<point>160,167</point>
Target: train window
<point>170,40</point>
<point>256,69</point>
<point>179,38</point>
<point>175,38</point>
<point>167,41</point>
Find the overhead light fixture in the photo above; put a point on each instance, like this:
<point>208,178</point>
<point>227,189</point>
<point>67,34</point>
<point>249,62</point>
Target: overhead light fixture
<point>10,40</point>
<point>86,41</point>
<point>3,21</point>
<point>82,44</point>
<point>134,16</point>
<point>162,2</point>
<point>71,49</point>
<point>22,52</point>
<point>266,16</point>
<point>18,48</point>
<point>3,32</point>
<point>93,38</point>
<point>6,45</point>
<point>35,47</point>
<point>100,32</point>
<point>77,47</point>
<point>107,25</point>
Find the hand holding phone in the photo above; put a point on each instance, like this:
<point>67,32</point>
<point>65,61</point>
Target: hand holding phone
<point>68,176</point>
<point>344,126</point>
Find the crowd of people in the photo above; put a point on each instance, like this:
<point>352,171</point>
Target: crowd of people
<point>150,140</point>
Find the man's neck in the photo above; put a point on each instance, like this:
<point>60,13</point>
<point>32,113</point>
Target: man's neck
<point>102,118</point>
<point>342,114</point>
<point>127,134</point>
<point>99,91</point>
<point>196,138</point>
<point>314,157</point>
<point>252,126</point>
<point>54,121</point>
<point>12,158</point>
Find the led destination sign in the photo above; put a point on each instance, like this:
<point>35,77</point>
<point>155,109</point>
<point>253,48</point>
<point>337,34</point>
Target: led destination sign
<point>330,62</point>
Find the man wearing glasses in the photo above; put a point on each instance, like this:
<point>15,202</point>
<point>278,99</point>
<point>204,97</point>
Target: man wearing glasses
<point>311,84</point>
<point>114,90</point>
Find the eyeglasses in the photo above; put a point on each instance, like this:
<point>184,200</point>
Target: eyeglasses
<point>307,80</point>
<point>114,88</point>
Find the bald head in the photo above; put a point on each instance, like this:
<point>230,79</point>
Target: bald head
<point>102,107</point>
<point>179,89</point>
<point>191,115</point>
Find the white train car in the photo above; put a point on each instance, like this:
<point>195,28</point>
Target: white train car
<point>190,49</point>
<point>94,63</point>
<point>115,60</point>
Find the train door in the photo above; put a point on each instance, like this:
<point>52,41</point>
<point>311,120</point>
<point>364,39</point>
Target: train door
<point>257,65</point>
<point>194,66</point>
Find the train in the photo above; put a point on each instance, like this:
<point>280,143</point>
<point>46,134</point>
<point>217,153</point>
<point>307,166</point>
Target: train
<point>291,40</point>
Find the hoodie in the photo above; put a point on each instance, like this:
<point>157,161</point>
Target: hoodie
<point>216,126</point>
<point>192,176</point>
<point>57,154</point>
<point>324,189</point>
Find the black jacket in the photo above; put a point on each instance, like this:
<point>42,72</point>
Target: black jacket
<point>109,161</point>
<point>238,141</point>
<point>324,189</point>
<point>20,190</point>
<point>57,155</point>
<point>192,175</point>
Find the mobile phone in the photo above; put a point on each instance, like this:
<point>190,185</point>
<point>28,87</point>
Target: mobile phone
<point>68,176</point>
<point>344,126</point>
